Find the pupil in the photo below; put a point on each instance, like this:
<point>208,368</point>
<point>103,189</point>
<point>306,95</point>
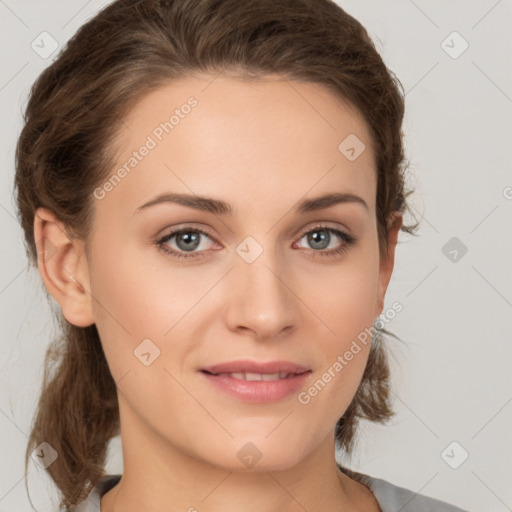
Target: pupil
<point>319,239</point>
<point>191,240</point>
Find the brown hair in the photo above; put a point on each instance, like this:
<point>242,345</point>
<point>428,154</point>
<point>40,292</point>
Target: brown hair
<point>65,150</point>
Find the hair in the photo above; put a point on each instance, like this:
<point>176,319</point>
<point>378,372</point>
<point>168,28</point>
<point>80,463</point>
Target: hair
<point>65,150</point>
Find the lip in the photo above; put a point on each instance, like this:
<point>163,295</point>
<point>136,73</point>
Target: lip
<point>259,391</point>
<point>246,365</point>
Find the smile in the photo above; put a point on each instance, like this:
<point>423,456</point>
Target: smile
<point>256,376</point>
<point>257,387</point>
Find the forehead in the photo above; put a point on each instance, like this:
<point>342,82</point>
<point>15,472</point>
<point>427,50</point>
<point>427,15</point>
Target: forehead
<point>267,138</point>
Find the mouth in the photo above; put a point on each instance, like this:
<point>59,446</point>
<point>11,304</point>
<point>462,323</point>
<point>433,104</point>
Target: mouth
<point>256,382</point>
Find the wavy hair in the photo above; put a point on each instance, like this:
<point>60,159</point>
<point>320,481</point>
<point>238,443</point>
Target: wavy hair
<point>64,151</point>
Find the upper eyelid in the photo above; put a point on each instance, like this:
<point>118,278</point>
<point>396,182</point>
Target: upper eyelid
<point>322,225</point>
<point>185,227</point>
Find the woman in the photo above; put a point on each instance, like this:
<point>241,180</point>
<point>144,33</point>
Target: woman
<point>212,192</point>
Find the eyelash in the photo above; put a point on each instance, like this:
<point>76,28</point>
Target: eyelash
<point>347,239</point>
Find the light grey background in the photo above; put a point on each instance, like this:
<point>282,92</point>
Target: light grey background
<point>452,378</point>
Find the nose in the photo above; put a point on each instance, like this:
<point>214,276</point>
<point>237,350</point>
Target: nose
<point>261,299</point>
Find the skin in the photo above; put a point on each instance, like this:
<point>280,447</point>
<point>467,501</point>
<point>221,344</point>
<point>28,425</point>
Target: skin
<point>261,146</point>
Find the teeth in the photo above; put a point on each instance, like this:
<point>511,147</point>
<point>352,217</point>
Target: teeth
<point>271,376</point>
<point>256,376</point>
<point>252,376</point>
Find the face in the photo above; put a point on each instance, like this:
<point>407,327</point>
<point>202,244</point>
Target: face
<point>259,271</point>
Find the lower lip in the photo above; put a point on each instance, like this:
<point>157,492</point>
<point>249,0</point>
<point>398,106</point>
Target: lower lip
<point>258,391</point>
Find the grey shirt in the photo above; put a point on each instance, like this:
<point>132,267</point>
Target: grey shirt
<point>390,497</point>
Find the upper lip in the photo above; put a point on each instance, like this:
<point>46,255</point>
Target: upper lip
<point>269,367</point>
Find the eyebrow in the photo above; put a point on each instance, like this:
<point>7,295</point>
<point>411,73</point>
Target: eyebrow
<point>219,207</point>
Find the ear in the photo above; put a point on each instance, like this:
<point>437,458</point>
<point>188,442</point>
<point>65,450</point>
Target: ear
<point>63,267</point>
<point>387,263</point>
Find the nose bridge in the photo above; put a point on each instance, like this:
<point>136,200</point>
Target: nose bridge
<point>262,301</point>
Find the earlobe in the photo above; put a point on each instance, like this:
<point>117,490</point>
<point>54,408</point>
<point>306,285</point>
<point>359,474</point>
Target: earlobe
<point>63,267</point>
<point>387,264</point>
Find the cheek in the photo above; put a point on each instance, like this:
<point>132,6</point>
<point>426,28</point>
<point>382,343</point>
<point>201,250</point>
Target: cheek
<point>135,300</point>
<point>345,303</point>
<point>347,309</point>
<point>344,295</point>
<point>123,314</point>
<point>128,292</point>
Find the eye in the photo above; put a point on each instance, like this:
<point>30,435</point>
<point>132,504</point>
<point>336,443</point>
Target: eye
<point>190,242</point>
<point>321,238</point>
<point>187,241</point>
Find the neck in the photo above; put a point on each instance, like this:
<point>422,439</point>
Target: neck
<point>158,476</point>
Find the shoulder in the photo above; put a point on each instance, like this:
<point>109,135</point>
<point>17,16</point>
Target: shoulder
<point>92,502</point>
<point>392,498</point>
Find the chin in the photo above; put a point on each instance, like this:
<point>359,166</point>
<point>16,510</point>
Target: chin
<point>257,453</point>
